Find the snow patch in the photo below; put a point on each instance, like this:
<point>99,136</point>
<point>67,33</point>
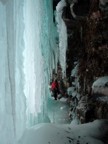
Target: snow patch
<point>101,85</point>
<point>90,133</point>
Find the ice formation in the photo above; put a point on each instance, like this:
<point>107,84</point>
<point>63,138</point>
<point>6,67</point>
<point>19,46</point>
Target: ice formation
<point>27,50</point>
<point>62,30</point>
<point>12,99</point>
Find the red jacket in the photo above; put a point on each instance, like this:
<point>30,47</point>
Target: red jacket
<point>54,85</point>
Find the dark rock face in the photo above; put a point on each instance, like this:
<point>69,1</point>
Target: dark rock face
<point>82,109</point>
<point>88,45</point>
<point>81,8</point>
<point>95,51</point>
<point>74,39</point>
<point>99,104</point>
<point>94,108</point>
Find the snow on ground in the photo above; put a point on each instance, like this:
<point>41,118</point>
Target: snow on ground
<point>58,132</point>
<point>91,133</point>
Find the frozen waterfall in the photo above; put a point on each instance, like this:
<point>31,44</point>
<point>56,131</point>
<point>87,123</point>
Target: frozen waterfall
<point>28,55</point>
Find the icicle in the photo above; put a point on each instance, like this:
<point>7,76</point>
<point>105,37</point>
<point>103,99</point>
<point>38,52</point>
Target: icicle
<point>62,30</point>
<point>72,12</point>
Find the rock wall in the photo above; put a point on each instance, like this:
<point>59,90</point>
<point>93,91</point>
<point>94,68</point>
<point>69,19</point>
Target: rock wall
<point>88,45</point>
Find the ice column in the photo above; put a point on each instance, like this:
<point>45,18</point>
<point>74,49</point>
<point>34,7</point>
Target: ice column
<point>32,61</point>
<point>62,30</point>
<point>40,44</point>
<point>12,99</point>
<point>48,35</point>
<point>27,49</point>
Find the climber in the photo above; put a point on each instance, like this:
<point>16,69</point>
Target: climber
<point>55,88</point>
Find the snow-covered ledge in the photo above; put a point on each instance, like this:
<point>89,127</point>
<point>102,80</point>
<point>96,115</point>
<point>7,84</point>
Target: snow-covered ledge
<point>101,86</point>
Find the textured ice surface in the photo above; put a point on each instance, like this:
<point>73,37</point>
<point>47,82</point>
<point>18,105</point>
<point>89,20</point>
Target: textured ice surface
<point>12,99</point>
<point>28,54</point>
